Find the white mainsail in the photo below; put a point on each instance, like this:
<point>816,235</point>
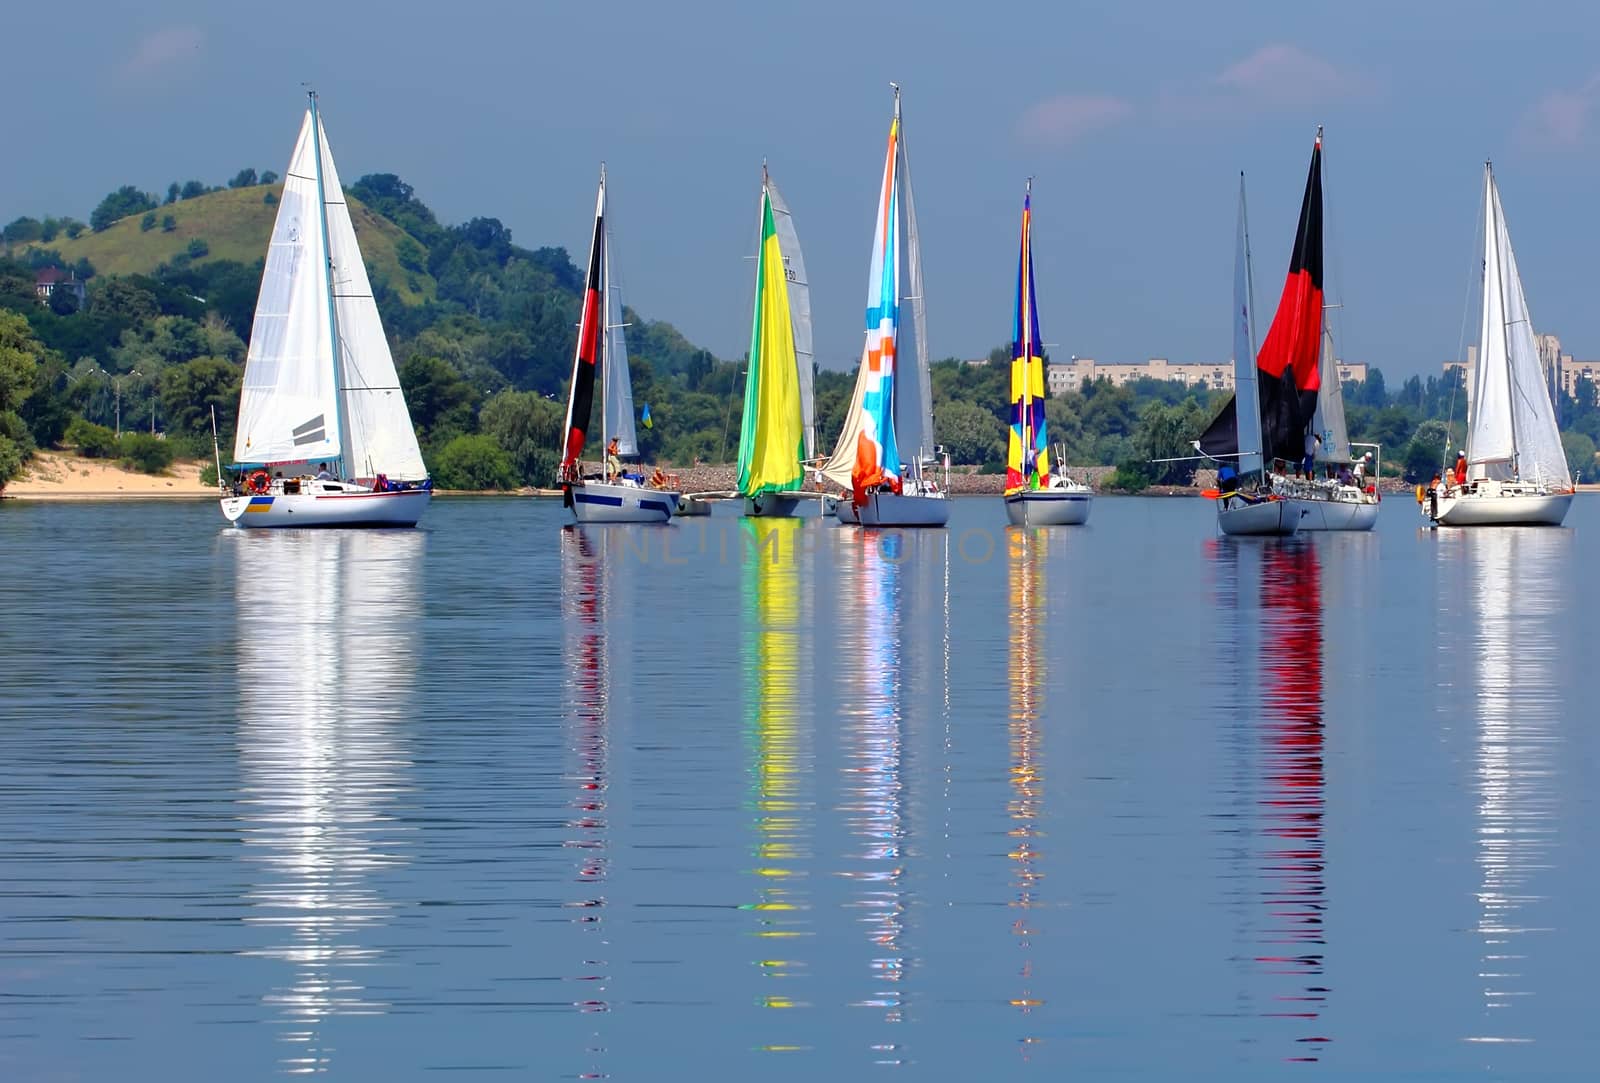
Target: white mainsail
<point>1247,401</point>
<point>1513,431</point>
<point>381,439</point>
<point>288,408</point>
<point>616,386</point>
<point>1329,421</point>
<point>794,266</point>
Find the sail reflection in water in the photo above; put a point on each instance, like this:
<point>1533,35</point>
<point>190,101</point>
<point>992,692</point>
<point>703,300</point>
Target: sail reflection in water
<point>327,656</point>
<point>777,658</point>
<point>588,676</point>
<point>870,642</point>
<point>1027,668</point>
<point>1515,584</point>
<point>1292,863</point>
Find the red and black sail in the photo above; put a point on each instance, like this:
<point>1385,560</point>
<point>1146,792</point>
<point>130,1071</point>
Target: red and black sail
<point>580,401</point>
<point>1287,372</point>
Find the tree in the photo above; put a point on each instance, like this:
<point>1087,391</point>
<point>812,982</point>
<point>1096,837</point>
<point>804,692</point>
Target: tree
<point>124,297</point>
<point>173,192</point>
<point>473,462</point>
<point>63,302</point>
<point>191,189</point>
<point>269,177</point>
<point>148,222</point>
<point>1425,453</point>
<point>119,204</point>
<point>22,230</point>
<point>145,453</point>
<point>19,363</point>
<point>198,248</point>
<point>1168,432</point>
<point>190,391</point>
<point>442,404</point>
<point>527,426</point>
<point>245,178</point>
<point>1580,452</point>
<point>972,435</point>
<point>73,228</point>
<point>168,223</point>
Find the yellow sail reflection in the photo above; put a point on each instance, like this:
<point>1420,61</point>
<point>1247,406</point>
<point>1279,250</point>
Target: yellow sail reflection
<point>326,660</point>
<point>1027,667</point>
<point>776,659</point>
<point>1517,579</point>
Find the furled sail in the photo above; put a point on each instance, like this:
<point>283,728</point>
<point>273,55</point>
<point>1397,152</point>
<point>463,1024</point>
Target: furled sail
<point>1028,450</point>
<point>289,409</point>
<point>580,397</point>
<point>616,386</point>
<point>1513,432</point>
<point>771,432</point>
<point>381,439</point>
<point>794,266</point>
<point>866,455</point>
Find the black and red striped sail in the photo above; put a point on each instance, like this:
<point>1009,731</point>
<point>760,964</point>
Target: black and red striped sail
<point>1287,372</point>
<point>580,400</point>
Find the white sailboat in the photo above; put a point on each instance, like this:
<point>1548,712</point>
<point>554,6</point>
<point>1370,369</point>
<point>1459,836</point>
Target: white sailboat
<point>892,407</point>
<point>324,435</point>
<point>1244,505</point>
<point>613,495</point>
<point>1516,467</point>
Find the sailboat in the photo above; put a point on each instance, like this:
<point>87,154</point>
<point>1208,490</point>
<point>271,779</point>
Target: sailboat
<point>1245,503</point>
<point>1034,496</point>
<point>893,404</point>
<point>1516,467</point>
<point>321,401</point>
<point>613,495</point>
<point>777,431</point>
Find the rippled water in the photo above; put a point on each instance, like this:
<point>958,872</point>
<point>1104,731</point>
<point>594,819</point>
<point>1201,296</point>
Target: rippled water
<point>779,800</point>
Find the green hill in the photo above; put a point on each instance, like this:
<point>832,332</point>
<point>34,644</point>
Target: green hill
<point>235,224</point>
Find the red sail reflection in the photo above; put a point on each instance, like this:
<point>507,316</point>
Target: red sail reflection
<point>588,688</point>
<point>1292,859</point>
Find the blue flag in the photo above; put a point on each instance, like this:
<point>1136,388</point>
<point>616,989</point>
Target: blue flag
<point>645,417</point>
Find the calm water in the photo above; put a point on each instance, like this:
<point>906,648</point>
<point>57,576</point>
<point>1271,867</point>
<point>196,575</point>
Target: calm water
<point>1129,800</point>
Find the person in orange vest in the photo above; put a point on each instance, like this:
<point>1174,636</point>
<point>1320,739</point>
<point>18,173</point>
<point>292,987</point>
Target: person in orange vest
<point>1461,470</point>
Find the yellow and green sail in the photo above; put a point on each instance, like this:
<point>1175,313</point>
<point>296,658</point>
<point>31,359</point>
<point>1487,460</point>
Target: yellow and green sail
<point>771,436</point>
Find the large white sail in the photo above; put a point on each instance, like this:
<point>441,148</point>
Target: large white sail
<point>288,409</point>
<point>616,385</point>
<point>381,438</point>
<point>1513,430</point>
<point>914,396</point>
<point>1329,420</point>
<point>794,266</point>
<point>1247,402</point>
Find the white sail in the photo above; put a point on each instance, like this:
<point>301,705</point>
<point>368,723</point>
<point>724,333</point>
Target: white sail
<point>1329,419</point>
<point>794,266</point>
<point>381,438</point>
<point>616,385</point>
<point>1513,430</point>
<point>914,396</point>
<point>1247,401</point>
<point>288,409</point>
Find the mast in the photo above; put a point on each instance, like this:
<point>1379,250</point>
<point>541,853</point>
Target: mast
<point>341,418</point>
<point>1258,454</point>
<point>605,320</point>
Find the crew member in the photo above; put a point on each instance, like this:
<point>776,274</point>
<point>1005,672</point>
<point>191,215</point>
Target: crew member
<point>1461,470</point>
<point>613,460</point>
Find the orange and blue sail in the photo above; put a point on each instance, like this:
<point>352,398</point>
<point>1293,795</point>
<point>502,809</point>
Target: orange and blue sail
<point>877,460</point>
<point>1028,449</point>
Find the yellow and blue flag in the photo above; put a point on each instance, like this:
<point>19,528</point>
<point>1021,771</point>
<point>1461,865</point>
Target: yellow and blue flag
<point>645,417</point>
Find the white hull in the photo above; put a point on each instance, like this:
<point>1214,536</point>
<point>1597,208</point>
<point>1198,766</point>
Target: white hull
<point>1335,514</point>
<point>1504,509</point>
<point>1266,518</point>
<point>692,505</point>
<point>604,502</point>
<point>350,509</point>
<point>1049,507</point>
<point>895,509</point>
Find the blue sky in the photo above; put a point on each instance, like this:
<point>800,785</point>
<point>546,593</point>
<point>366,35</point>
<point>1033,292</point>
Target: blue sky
<point>1134,118</point>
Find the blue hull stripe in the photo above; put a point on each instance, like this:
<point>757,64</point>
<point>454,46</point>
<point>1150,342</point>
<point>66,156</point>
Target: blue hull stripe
<point>603,501</point>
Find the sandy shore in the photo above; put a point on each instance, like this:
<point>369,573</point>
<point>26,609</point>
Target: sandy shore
<point>55,475</point>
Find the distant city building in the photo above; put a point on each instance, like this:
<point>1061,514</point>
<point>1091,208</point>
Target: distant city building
<point>1560,368</point>
<point>1213,375</point>
<point>51,279</point>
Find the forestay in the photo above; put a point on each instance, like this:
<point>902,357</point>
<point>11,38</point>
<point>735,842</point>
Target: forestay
<point>288,409</point>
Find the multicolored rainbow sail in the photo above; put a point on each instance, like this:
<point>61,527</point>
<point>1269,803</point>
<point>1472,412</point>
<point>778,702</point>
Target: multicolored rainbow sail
<point>866,455</point>
<point>1028,453</point>
<point>772,433</point>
